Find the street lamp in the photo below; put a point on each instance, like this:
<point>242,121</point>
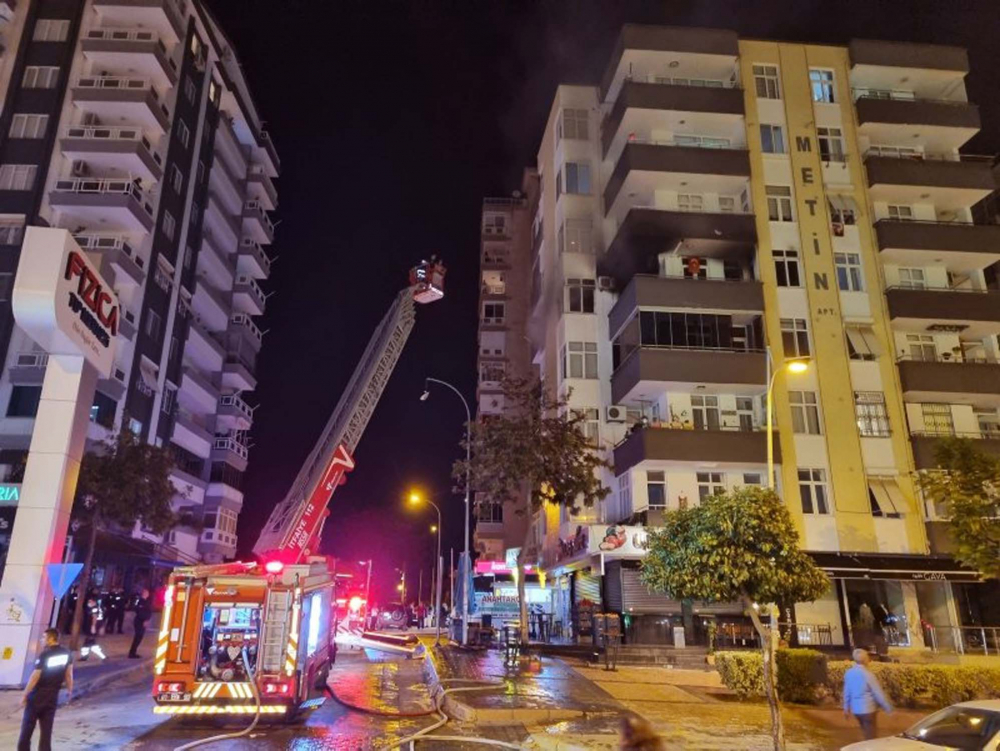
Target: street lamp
<point>416,498</point>
<point>796,366</point>
<point>468,448</point>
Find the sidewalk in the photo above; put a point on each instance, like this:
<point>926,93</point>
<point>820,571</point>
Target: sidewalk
<point>94,673</point>
<point>371,682</point>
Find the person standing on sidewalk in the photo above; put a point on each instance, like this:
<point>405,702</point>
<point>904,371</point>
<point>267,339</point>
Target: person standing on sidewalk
<point>863,695</point>
<point>53,667</point>
<point>143,610</point>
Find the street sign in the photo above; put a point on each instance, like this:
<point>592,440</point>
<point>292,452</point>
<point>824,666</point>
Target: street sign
<point>62,575</point>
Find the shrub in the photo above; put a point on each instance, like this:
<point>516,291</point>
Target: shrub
<point>741,672</point>
<point>800,673</point>
<point>908,685</point>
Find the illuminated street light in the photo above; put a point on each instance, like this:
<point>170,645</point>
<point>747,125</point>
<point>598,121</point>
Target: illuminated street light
<point>434,528</point>
<point>796,366</point>
<point>416,498</point>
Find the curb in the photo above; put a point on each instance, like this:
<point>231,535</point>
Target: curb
<point>140,666</point>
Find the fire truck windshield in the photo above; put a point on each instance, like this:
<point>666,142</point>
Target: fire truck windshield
<point>225,631</point>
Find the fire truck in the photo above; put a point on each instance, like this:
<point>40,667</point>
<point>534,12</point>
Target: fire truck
<point>259,636</point>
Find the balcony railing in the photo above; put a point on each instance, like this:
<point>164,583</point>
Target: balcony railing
<point>31,360</point>
<point>98,243</point>
<point>232,400</point>
<point>230,444</point>
<point>128,35</point>
<point>242,319</point>
<point>700,83</point>
<point>957,358</point>
<point>930,288</point>
<point>106,186</point>
<point>254,208</point>
<point>250,282</point>
<point>251,246</point>
<point>682,425</point>
<point>102,133</point>
<point>892,152</point>
<point>944,433</point>
<point>900,95</point>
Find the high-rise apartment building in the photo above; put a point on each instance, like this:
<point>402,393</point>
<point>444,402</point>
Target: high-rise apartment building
<point>131,125</point>
<point>715,202</point>
<point>508,236</point>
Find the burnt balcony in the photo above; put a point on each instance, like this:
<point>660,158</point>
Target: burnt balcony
<point>646,231</point>
<point>234,413</point>
<point>646,290</point>
<point>974,312</point>
<point>252,261</point>
<point>642,167</point>
<point>261,188</point>
<point>949,183</point>
<point>115,98</point>
<point>165,17</point>
<point>950,380</point>
<point>124,149</point>
<point>638,95</point>
<point>925,446</point>
<point>693,446</point>
<point>256,223</point>
<point>139,50</point>
<point>116,252</point>
<point>111,203</point>
<point>910,243</point>
<point>650,371</point>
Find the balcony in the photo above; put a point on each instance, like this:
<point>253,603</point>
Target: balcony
<point>117,98</point>
<point>115,251</point>
<point>265,154</point>
<point>929,58</point>
<point>114,204</point>
<point>241,325</point>
<point>28,368</point>
<point>649,372</point>
<point>639,95</point>
<point>976,313</point>
<point>127,324</point>
<point>256,223</point>
<point>124,150</point>
<point>652,165</point>
<point>707,447</point>
<point>252,261</point>
<point>261,188</point>
<point>237,375</point>
<point>677,292</point>
<point>197,394</point>
<point>222,225</point>
<point>191,434</point>
<point>136,50</point>
<point>248,297</point>
<point>969,247</point>
<point>951,185</point>
<point>944,125</point>
<point>214,264</point>
<point>165,17</point>
<point>951,381</point>
<point>226,186</point>
<point>115,386</point>
<point>203,349</point>
<point>925,446</point>
<point>210,310</point>
<point>228,449</point>
<point>228,147</point>
<point>646,231</point>
<point>234,413</point>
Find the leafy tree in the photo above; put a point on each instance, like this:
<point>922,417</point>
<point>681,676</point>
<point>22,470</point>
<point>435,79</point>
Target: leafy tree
<point>122,481</point>
<point>736,547</point>
<point>534,449</point>
<point>966,486</point>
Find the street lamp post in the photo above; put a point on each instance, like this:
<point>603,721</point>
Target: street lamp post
<point>417,498</point>
<point>468,450</point>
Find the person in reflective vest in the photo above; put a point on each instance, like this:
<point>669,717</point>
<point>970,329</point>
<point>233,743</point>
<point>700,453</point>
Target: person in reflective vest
<point>53,668</point>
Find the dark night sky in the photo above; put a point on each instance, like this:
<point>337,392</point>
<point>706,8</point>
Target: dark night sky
<point>393,120</point>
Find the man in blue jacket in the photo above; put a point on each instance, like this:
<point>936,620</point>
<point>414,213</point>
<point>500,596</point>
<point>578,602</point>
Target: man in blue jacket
<point>863,695</point>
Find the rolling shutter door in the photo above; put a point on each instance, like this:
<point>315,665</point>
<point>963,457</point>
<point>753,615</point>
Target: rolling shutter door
<point>637,599</point>
<point>613,587</point>
<point>588,587</point>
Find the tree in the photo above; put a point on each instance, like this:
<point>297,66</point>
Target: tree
<point>122,481</point>
<point>736,547</point>
<point>536,449</point>
<point>966,487</point>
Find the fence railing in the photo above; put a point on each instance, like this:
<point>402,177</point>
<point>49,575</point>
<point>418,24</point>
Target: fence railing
<point>963,639</point>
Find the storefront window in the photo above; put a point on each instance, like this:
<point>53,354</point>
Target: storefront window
<point>877,614</point>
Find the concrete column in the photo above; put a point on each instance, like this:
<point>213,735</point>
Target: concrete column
<point>42,520</point>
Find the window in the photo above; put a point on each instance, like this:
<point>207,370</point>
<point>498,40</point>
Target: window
<point>710,483</point>
<point>51,30</point>
<point>656,489</point>
<point>40,77</point>
<point>494,313</point>
<point>28,126</point>
<point>862,343</point>
<point>169,399</point>
<point>6,285</point>
<point>805,412</point>
<point>812,489</point>
<point>494,224</point>
<point>577,236</point>
<point>201,171</point>
<point>590,424</point>
<point>900,213</point>
<point>937,419</point>
<point>885,498</point>
<point>795,337</point>
<point>772,139</point>
<point>578,178</point>
<point>745,201</point>
<point>744,411</point>
<point>848,271</point>
<point>921,347</point>
<point>169,225</point>
<point>102,411</point>
<point>779,203</point>
<point>579,360</point>
<point>831,144</point>
<point>17,176</point>
<point>727,205</point>
<point>690,202</point>
<point>190,90</point>
<point>869,409</point>
<point>24,401</point>
<point>490,512</point>
<point>842,213</point>
<point>176,178</point>
<point>574,124</point>
<point>11,231</point>
<point>153,325</point>
<point>162,279</point>
<point>174,349</point>
<point>786,267</point>
<point>492,371</point>
<point>580,295</point>
<point>821,82</point>
<point>705,412</point>
<point>912,278</point>
<point>134,426</point>
<point>625,495</point>
<point>753,478</point>
<point>765,78</point>
<point>183,133</point>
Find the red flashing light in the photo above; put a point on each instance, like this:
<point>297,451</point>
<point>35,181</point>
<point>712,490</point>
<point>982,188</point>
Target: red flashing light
<point>275,688</point>
<point>356,603</point>
<point>274,567</point>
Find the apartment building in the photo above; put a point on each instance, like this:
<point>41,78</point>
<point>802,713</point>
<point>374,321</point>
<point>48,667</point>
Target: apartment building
<point>508,236</point>
<point>715,203</point>
<point>131,125</point>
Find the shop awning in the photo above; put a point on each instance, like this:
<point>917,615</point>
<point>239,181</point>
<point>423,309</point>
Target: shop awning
<point>149,372</point>
<point>888,566</point>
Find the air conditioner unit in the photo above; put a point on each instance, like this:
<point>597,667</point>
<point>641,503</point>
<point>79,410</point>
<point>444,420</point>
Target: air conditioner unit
<point>605,283</point>
<point>615,413</point>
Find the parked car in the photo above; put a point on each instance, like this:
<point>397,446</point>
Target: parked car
<point>969,726</point>
<point>393,615</point>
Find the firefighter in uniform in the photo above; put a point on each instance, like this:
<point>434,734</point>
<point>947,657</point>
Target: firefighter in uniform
<point>53,667</point>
